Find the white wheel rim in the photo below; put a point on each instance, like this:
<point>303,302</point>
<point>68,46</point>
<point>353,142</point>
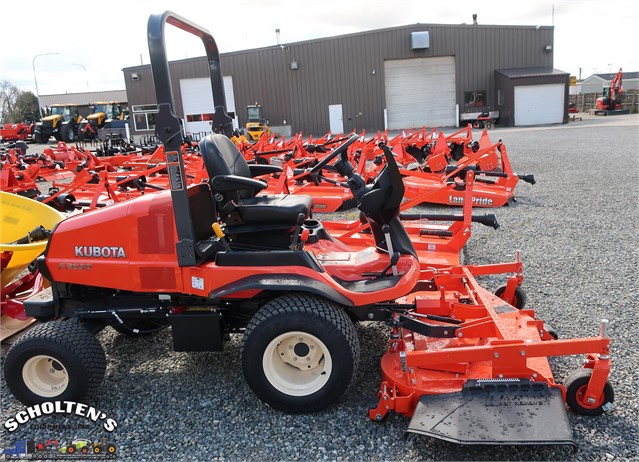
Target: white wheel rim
<point>297,363</point>
<point>45,376</point>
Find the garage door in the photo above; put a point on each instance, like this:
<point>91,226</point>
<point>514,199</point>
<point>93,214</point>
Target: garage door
<point>420,92</point>
<point>539,104</point>
<point>197,102</point>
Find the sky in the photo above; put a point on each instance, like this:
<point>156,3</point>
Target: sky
<point>93,42</point>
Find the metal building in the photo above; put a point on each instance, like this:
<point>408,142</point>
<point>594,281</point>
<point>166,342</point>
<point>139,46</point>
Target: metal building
<point>596,82</point>
<point>402,77</point>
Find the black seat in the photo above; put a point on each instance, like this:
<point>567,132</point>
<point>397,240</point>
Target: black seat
<point>235,189</point>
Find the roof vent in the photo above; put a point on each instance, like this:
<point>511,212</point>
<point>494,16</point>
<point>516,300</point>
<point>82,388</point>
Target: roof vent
<point>420,40</point>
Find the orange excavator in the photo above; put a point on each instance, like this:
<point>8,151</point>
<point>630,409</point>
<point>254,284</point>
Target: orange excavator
<point>611,98</point>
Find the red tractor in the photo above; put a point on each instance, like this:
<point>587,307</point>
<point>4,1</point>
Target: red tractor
<point>16,132</point>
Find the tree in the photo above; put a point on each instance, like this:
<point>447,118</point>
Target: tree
<point>16,105</point>
<point>8,95</point>
<point>26,107</point>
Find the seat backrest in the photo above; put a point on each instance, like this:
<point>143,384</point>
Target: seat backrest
<point>222,157</point>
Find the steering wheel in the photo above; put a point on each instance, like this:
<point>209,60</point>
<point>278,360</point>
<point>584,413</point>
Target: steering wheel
<point>339,151</point>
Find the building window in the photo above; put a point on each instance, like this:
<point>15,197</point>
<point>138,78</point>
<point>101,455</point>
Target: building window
<point>144,117</point>
<point>473,99</point>
<point>199,117</point>
<point>500,97</point>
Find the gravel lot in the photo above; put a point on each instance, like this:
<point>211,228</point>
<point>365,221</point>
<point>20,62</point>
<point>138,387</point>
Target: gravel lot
<point>577,229</point>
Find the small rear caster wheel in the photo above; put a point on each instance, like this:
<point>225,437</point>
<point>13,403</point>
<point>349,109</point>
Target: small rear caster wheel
<point>576,385</point>
<point>518,300</point>
<point>551,331</point>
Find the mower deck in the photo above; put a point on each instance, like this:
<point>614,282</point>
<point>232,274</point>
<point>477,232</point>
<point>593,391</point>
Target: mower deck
<point>465,356</point>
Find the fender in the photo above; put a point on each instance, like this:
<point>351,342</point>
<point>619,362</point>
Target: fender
<point>282,283</point>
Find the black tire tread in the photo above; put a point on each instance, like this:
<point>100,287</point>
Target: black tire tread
<point>71,337</point>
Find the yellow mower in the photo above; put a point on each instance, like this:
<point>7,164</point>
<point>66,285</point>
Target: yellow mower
<point>20,244</point>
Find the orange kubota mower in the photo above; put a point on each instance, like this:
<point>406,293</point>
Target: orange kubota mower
<point>214,258</point>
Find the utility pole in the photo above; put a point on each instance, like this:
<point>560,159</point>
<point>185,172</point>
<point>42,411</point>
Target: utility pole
<point>36,80</point>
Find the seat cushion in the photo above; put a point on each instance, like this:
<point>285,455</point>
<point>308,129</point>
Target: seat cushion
<point>276,209</point>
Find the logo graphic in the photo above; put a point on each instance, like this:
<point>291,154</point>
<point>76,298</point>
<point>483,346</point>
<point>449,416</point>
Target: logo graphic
<point>476,200</point>
<point>60,407</point>
<point>72,446</point>
<point>99,252</point>
<point>55,449</point>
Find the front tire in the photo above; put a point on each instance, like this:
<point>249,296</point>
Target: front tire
<point>68,135</point>
<point>55,361</point>
<point>300,353</point>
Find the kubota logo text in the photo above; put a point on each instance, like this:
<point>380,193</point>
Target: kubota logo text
<point>99,252</point>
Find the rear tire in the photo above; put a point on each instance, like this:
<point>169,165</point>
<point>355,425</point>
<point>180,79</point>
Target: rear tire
<point>300,353</point>
<point>55,361</point>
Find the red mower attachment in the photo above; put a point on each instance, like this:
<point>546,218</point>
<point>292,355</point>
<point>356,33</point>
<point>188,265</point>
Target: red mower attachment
<point>494,188</point>
<point>472,369</point>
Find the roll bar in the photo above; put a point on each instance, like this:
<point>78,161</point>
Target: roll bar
<point>168,127</point>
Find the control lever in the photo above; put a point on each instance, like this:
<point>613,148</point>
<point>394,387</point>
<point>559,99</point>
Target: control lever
<point>296,235</point>
<point>220,236</point>
<point>391,252</point>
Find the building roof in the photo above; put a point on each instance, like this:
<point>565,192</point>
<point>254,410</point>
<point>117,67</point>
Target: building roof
<point>610,76</point>
<point>84,98</point>
<point>285,46</point>
<point>530,72</point>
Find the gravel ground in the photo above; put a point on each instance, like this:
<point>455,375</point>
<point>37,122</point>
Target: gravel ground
<point>575,227</point>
